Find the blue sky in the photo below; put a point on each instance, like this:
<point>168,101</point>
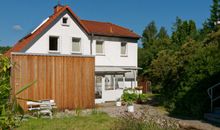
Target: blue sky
<point>19,17</point>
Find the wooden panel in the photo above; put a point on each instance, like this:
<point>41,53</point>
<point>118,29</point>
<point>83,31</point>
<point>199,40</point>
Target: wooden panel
<point>69,80</point>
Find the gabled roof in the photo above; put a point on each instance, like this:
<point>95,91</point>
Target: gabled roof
<point>108,29</point>
<point>90,27</point>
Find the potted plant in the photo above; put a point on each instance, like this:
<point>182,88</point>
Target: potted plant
<point>129,97</point>
<point>130,106</point>
<point>118,102</point>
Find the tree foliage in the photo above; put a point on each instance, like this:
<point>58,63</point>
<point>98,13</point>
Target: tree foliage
<point>215,15</point>
<point>4,80</point>
<point>153,42</point>
<point>184,65</point>
<point>3,49</point>
<point>183,31</point>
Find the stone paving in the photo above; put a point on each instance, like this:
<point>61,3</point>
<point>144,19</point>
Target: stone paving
<point>151,111</point>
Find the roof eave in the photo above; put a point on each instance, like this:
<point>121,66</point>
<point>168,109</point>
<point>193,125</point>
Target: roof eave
<point>117,36</point>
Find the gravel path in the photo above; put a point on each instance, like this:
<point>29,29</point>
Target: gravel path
<point>151,112</point>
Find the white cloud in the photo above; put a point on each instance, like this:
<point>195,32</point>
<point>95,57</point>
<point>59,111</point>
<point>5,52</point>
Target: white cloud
<point>17,27</point>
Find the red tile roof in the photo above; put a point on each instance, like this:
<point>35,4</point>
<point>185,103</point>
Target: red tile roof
<point>108,29</point>
<point>90,27</point>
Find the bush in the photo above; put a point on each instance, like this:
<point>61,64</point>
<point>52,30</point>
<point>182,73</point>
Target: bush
<point>145,97</point>
<point>129,96</point>
<point>180,74</point>
<point>4,81</point>
<point>11,113</point>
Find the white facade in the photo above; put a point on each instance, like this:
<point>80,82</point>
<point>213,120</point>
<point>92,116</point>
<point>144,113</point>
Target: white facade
<point>111,57</point>
<point>112,54</point>
<point>65,34</point>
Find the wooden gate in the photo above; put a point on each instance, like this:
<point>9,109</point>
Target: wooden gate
<point>69,80</point>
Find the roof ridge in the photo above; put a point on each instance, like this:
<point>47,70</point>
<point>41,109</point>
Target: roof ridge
<point>94,21</point>
<point>110,23</point>
<point>107,23</point>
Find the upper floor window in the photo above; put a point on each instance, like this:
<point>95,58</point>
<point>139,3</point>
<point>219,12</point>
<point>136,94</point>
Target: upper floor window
<point>53,43</point>
<point>76,45</point>
<point>65,21</point>
<point>124,49</point>
<point>100,47</point>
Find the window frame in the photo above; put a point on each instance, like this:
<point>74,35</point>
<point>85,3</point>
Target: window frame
<point>58,44</point>
<point>126,49</point>
<point>103,48</point>
<point>67,21</point>
<point>80,46</point>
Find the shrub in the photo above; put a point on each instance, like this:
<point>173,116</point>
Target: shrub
<point>4,81</point>
<point>180,72</point>
<point>11,113</point>
<point>129,96</point>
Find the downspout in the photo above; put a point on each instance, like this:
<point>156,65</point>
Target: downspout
<point>91,41</point>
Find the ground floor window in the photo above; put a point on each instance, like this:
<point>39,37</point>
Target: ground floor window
<point>109,82</point>
<point>119,81</point>
<point>98,87</point>
<point>112,82</point>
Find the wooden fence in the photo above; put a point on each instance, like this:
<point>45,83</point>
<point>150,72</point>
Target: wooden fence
<point>69,80</point>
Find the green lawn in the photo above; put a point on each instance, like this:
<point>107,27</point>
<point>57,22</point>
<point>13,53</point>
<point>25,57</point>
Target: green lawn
<point>94,121</point>
<point>99,121</point>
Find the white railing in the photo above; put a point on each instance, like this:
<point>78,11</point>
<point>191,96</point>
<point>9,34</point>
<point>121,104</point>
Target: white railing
<point>210,93</point>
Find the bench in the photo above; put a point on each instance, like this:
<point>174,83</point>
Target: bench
<point>42,107</point>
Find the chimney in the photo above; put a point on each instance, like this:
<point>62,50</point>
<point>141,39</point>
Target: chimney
<point>111,29</point>
<point>57,8</point>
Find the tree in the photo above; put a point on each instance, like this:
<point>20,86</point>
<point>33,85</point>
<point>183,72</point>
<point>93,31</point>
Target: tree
<point>149,34</point>
<point>215,15</point>
<point>183,66</point>
<point>153,42</point>
<point>4,49</point>
<point>162,34</point>
<point>183,31</point>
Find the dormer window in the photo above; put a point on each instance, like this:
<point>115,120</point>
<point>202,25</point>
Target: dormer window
<point>65,21</point>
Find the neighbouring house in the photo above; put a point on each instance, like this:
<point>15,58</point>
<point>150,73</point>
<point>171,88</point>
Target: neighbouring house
<point>114,47</point>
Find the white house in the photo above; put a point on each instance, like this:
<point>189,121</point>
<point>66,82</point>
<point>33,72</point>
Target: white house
<point>114,47</point>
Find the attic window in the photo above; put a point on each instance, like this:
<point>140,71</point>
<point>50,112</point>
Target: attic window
<point>65,21</point>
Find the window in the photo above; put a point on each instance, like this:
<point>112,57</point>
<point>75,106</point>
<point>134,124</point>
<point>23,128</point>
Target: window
<point>123,48</point>
<point>53,44</point>
<point>109,82</point>
<point>100,47</point>
<point>76,47</point>
<point>65,21</point>
<point>98,88</point>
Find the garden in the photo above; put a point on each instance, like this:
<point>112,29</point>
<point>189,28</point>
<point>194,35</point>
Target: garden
<point>13,116</point>
<point>133,112</point>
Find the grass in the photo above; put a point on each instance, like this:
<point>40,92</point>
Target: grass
<point>94,121</point>
<point>97,121</point>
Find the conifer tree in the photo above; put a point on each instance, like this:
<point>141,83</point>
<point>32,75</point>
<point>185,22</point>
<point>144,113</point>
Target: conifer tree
<point>215,15</point>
